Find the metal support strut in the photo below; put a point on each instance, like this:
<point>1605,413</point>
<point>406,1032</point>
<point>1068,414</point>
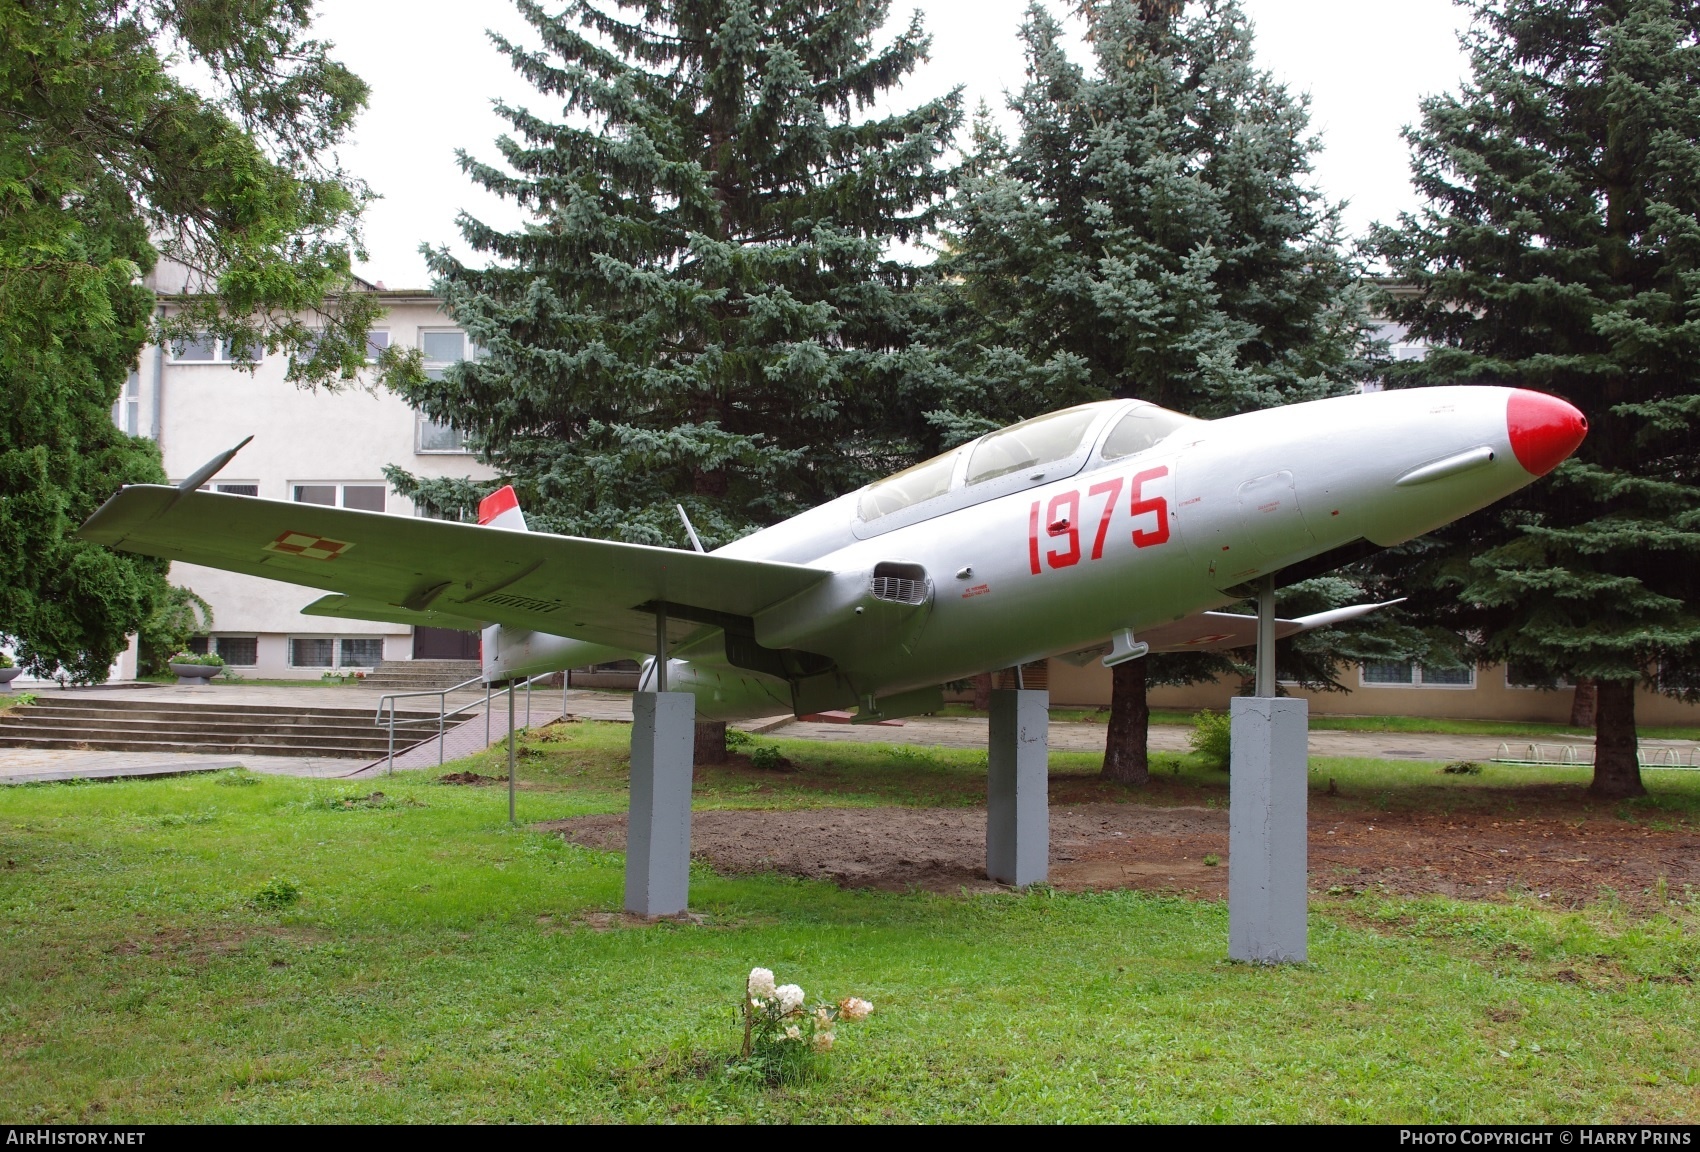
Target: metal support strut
<point>1018,816</point>
<point>658,824</point>
<point>1267,797</point>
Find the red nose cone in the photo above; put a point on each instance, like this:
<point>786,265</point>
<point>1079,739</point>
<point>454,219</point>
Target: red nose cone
<point>1544,430</point>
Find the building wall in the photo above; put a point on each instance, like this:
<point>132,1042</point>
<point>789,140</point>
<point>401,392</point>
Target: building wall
<point>1490,698</point>
<point>198,409</point>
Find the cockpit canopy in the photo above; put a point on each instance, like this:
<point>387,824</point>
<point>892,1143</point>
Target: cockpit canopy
<point>1032,444</point>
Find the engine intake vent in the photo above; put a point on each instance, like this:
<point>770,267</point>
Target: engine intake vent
<point>900,591</point>
<point>899,583</point>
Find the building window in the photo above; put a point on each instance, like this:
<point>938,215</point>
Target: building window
<point>1674,676</point>
<point>441,348</point>
<point>435,437</point>
<point>377,339</point>
<point>312,652</point>
<point>367,652</point>
<point>1521,675</point>
<point>1408,674</point>
<point>365,497</point>
<point>238,651</point>
<point>206,349</point>
<point>232,489</point>
<point>336,652</point>
<point>1382,672</point>
<point>126,412</point>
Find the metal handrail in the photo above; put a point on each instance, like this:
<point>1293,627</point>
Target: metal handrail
<point>388,699</point>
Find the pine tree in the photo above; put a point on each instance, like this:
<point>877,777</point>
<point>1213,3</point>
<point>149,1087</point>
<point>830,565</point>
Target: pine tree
<point>1150,233</point>
<point>702,308</point>
<point>1560,250</point>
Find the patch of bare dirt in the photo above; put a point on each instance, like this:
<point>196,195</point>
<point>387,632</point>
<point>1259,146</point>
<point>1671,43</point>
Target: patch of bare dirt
<point>470,778</point>
<point>944,849</point>
<point>1568,861</point>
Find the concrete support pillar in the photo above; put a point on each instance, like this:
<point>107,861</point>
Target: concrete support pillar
<point>1018,814</point>
<point>1268,855</point>
<point>658,826</point>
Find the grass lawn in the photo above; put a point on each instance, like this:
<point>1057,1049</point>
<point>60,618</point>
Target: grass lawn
<point>1373,723</point>
<point>440,965</point>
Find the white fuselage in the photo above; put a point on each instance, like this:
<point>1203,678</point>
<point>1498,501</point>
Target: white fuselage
<point>1060,557</point>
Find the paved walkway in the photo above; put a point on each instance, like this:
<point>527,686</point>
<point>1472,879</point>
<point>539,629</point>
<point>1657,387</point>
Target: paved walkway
<point>25,765</point>
<point>473,735</point>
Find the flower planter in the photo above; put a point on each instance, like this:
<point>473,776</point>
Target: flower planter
<point>195,675</point>
<point>7,675</point>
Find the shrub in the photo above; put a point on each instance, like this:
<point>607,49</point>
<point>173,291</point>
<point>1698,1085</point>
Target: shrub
<point>210,660</point>
<point>5,660</point>
<point>278,892</point>
<point>1210,737</point>
<point>736,739</point>
<point>1463,768</point>
<point>768,758</point>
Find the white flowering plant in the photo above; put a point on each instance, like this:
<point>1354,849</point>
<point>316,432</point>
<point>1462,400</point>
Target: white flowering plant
<point>783,1034</point>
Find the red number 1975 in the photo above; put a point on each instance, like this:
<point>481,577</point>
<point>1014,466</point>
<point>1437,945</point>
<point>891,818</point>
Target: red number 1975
<point>1062,520</point>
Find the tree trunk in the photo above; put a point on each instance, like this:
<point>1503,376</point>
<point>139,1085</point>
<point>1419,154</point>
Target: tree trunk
<point>983,692</point>
<point>1125,745</point>
<point>1582,704</point>
<point>1616,772</point>
<point>710,744</point>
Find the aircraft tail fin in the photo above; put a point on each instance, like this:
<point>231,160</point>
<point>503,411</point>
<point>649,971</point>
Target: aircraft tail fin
<point>500,509</point>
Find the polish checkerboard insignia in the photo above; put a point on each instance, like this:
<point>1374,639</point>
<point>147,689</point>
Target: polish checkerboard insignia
<point>308,546</point>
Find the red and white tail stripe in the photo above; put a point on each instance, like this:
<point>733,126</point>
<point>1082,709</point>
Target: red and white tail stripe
<point>500,509</point>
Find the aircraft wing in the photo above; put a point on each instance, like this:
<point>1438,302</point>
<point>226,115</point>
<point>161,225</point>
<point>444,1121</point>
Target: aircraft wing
<point>341,607</point>
<point>586,589</point>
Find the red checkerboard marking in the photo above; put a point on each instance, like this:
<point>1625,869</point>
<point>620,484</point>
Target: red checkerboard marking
<point>308,546</point>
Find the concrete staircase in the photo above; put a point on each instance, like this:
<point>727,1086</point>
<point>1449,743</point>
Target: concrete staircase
<point>420,675</point>
<point>116,725</point>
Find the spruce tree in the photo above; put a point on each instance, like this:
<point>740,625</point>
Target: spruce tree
<point>1559,249</point>
<point>703,307</point>
<point>1151,232</point>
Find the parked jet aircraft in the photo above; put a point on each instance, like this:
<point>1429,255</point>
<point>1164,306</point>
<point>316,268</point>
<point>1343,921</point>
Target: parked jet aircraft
<point>1100,531</point>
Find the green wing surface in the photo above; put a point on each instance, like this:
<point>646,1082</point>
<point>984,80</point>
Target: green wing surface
<point>342,607</point>
<point>586,589</point>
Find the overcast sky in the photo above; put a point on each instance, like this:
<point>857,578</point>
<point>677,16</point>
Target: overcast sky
<point>434,73</point>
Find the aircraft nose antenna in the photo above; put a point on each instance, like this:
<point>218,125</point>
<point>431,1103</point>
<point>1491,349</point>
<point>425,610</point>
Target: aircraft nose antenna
<point>1543,429</point>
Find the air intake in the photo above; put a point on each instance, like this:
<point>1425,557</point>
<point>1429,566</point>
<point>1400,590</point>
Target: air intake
<point>898,583</point>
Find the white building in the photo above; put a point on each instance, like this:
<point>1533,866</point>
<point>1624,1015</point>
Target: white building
<point>198,399</point>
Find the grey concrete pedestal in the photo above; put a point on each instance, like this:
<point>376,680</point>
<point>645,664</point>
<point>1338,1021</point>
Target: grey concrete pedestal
<point>658,826</point>
<point>1268,855</point>
<point>1018,814</point>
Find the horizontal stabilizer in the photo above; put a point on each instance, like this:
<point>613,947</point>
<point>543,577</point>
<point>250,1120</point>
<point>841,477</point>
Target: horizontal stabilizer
<point>1219,631</point>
